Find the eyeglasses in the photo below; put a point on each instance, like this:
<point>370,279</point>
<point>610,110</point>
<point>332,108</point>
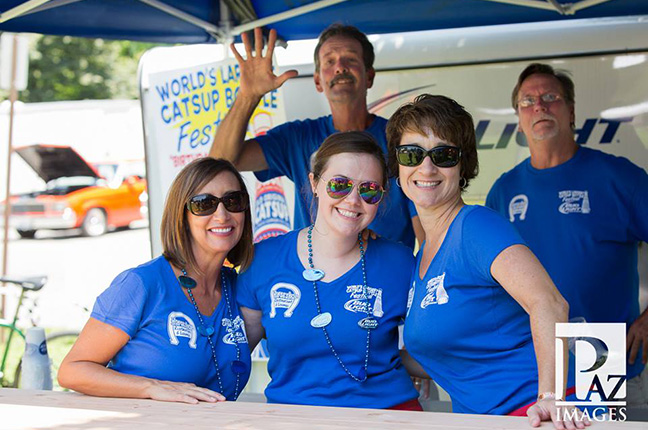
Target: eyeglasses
<point>339,187</point>
<point>441,156</point>
<point>206,204</point>
<point>529,101</point>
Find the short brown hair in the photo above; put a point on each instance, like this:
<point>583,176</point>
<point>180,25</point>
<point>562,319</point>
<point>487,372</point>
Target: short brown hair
<point>350,32</point>
<point>445,118</point>
<point>175,232</point>
<point>545,69</point>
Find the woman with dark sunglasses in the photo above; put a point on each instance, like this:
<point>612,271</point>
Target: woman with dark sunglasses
<point>328,298</point>
<point>482,309</point>
<point>170,329</point>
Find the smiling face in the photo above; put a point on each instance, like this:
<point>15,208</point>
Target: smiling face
<point>544,121</point>
<point>350,215</point>
<point>219,232</point>
<point>342,74</point>
<point>427,185</point>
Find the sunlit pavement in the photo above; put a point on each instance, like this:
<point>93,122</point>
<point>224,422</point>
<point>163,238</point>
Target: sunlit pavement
<point>78,268</point>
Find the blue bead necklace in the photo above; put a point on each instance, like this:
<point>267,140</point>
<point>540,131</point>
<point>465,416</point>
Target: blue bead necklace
<point>237,366</point>
<point>322,319</point>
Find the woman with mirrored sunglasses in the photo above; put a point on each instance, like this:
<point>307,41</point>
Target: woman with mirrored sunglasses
<point>329,298</point>
<point>170,329</point>
<point>482,308</point>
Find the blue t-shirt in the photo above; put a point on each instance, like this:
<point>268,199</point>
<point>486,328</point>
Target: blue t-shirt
<point>466,331</point>
<point>148,304</point>
<point>302,366</point>
<point>584,220</point>
<point>288,148</point>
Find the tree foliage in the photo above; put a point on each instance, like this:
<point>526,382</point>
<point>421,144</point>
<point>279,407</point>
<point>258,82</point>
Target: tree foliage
<point>70,68</point>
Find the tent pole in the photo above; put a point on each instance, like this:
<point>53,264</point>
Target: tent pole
<point>527,3</point>
<point>207,26</point>
<point>21,9</point>
<point>13,96</point>
<point>575,7</point>
<point>284,15</point>
<point>226,24</point>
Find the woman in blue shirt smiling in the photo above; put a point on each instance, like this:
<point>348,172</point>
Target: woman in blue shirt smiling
<point>328,298</point>
<point>482,309</point>
<point>170,329</point>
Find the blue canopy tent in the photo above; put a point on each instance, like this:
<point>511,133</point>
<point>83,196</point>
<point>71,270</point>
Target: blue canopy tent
<point>200,21</point>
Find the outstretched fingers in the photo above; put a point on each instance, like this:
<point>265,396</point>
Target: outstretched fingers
<point>285,76</point>
<point>237,55</point>
<point>247,44</point>
<point>258,42</point>
<point>272,39</point>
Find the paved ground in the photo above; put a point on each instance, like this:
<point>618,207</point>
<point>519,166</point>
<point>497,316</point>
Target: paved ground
<point>78,268</point>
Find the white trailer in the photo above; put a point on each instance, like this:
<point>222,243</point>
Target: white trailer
<point>478,67</point>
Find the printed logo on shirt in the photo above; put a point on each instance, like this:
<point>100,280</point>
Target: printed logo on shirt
<point>358,302</point>
<point>410,298</point>
<point>518,206</point>
<point>436,293</point>
<point>284,296</point>
<point>235,331</point>
<point>573,201</point>
<point>180,325</point>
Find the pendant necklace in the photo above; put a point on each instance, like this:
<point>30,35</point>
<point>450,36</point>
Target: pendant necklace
<point>323,319</point>
<point>237,366</point>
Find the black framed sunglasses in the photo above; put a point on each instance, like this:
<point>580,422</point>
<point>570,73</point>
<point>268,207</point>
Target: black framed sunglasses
<point>338,187</point>
<point>206,204</point>
<point>441,156</point>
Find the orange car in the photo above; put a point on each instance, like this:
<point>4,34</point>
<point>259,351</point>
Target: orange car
<point>76,194</point>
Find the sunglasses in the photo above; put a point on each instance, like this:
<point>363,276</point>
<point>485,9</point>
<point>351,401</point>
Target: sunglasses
<point>339,187</point>
<point>441,156</point>
<point>206,204</point>
<point>548,98</point>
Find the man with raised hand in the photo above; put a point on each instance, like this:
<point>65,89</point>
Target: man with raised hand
<point>581,211</point>
<point>343,72</point>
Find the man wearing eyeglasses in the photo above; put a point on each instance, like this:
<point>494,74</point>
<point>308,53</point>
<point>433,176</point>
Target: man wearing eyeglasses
<point>343,72</point>
<point>583,213</point>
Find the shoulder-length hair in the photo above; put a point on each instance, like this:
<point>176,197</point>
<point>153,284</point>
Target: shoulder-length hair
<point>175,232</point>
<point>445,118</point>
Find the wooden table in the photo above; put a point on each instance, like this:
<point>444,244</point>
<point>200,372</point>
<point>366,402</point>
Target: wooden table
<point>31,409</point>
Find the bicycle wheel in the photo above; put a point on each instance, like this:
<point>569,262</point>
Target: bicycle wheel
<point>58,345</point>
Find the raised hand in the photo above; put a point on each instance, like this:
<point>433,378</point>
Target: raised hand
<point>168,391</point>
<point>257,76</point>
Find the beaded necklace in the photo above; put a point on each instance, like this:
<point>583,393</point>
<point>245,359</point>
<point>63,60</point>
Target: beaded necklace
<point>237,366</point>
<point>322,319</point>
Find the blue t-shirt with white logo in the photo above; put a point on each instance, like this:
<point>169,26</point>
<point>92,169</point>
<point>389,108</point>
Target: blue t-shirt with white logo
<point>288,148</point>
<point>148,304</point>
<point>302,366</point>
<point>466,331</point>
<point>584,220</point>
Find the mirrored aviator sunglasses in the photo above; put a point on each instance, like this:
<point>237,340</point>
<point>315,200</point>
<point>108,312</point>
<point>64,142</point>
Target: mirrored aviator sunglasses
<point>206,204</point>
<point>339,187</point>
<point>441,156</point>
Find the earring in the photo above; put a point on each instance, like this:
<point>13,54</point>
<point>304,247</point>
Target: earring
<point>315,194</point>
<point>398,182</point>
<point>463,183</point>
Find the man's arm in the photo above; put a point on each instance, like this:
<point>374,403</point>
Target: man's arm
<point>257,79</point>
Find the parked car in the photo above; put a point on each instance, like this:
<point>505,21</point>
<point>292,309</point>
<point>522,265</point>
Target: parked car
<point>93,198</point>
